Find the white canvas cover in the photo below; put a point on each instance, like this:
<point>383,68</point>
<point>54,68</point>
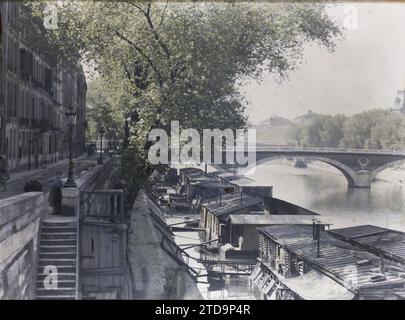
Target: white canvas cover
<point>314,285</point>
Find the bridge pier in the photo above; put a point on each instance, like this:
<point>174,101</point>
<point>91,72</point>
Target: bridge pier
<point>361,179</point>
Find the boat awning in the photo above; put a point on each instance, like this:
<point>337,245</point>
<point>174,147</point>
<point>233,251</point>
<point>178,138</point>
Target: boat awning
<point>314,285</point>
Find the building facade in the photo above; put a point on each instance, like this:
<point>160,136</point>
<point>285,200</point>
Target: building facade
<point>35,94</point>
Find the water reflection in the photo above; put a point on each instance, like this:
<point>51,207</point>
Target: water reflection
<point>323,189</point>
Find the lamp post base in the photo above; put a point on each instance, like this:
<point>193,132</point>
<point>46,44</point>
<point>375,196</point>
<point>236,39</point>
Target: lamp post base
<point>70,184</point>
<point>100,161</point>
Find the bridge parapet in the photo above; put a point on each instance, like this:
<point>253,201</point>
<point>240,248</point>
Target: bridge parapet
<point>329,150</point>
<point>359,166</point>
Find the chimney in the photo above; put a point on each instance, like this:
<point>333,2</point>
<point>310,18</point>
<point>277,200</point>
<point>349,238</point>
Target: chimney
<point>316,236</point>
<point>313,229</point>
<point>318,241</point>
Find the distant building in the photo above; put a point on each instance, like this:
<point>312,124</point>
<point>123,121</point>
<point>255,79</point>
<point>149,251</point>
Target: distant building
<point>307,118</point>
<point>399,103</point>
<point>303,262</point>
<point>35,93</point>
<point>273,131</point>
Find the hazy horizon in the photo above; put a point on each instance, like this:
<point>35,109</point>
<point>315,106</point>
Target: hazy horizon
<point>364,72</point>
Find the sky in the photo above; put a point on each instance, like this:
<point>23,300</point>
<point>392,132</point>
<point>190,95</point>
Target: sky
<point>364,72</point>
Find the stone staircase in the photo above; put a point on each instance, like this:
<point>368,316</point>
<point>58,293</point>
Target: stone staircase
<point>57,252</point>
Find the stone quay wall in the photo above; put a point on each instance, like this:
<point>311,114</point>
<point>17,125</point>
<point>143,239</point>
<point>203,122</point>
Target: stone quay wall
<point>155,274</point>
<point>19,226</point>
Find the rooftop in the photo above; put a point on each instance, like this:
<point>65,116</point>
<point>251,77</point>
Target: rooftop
<point>281,207</point>
<point>211,184</point>
<point>195,174</point>
<point>229,203</point>
<point>262,219</point>
<point>387,242</point>
<point>338,259</point>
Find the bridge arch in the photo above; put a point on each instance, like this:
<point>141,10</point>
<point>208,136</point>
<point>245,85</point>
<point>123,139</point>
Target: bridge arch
<point>386,166</point>
<point>351,176</point>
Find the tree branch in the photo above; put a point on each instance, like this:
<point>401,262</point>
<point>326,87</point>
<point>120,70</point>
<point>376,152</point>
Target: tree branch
<point>152,26</point>
<point>163,14</point>
<point>140,51</point>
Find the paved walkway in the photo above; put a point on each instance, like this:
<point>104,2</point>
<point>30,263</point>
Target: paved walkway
<point>17,180</point>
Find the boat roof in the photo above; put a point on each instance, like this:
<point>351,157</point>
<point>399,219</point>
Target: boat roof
<point>265,219</point>
<point>338,259</point>
<point>387,242</point>
<point>230,202</point>
<point>195,174</point>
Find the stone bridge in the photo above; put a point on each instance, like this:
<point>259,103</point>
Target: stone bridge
<point>359,166</point>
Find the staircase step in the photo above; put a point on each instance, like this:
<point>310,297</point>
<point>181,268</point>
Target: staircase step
<point>58,242</point>
<point>44,297</point>
<point>58,224</point>
<point>66,284</point>
<point>58,255</point>
<point>56,292</point>
<point>56,248</point>
<point>60,277</point>
<point>60,269</point>
<point>58,235</point>
<point>57,229</point>
<point>56,262</point>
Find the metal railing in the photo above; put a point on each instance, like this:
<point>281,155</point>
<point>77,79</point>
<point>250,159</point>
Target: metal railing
<point>77,288</point>
<point>263,148</point>
<point>105,205</point>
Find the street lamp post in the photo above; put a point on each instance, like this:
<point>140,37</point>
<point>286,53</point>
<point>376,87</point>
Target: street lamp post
<point>70,182</point>
<point>101,132</point>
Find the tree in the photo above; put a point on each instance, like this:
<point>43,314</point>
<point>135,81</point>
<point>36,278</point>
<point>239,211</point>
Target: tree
<point>101,111</point>
<point>389,132</point>
<point>321,131</point>
<point>372,129</point>
<point>358,129</point>
<point>180,61</point>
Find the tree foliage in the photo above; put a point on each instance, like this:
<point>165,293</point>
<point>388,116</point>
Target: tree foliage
<point>372,129</point>
<point>103,111</point>
<point>182,61</point>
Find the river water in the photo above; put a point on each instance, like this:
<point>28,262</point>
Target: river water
<point>323,189</point>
